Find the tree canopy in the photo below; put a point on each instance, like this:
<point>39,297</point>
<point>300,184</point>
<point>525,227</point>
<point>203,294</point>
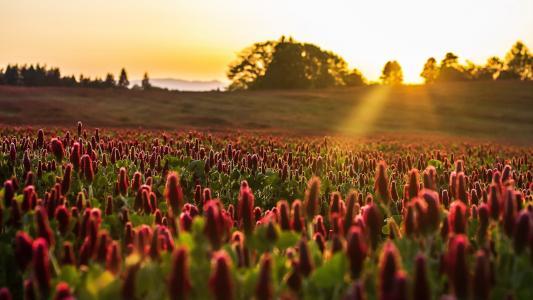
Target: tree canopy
<point>123,81</point>
<point>392,73</point>
<point>430,71</point>
<point>287,64</point>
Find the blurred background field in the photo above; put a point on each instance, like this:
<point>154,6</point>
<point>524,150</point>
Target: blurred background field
<point>496,111</point>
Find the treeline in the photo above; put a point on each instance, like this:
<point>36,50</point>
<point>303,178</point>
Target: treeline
<point>287,64</point>
<point>41,75</point>
<point>517,64</point>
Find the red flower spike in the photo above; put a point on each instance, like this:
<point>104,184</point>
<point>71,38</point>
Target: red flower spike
<point>9,193</point>
<point>65,182</point>
<point>62,215</point>
<point>41,268</point>
<point>381,183</point>
<point>57,149</point>
<point>457,218</point>
<point>389,264</point>
<point>43,226</point>
<point>305,260</point>
<point>68,254</point>
<point>431,198</point>
<point>63,292</point>
<point>87,167</point>
<point>114,258</point>
<point>123,181</point>
<point>523,232</point>
<point>356,250</point>
<point>179,284</point>
<point>481,283</point>
<point>297,221</point>
<point>413,183</point>
<point>264,289</point>
<point>457,266</point>
<point>213,224</point>
<point>173,193</point>
<point>373,222</point>
<point>421,288</point>
<point>23,249</point>
<point>283,215</point>
<point>312,198</point>
<point>5,294</point>
<point>246,205</point>
<point>220,281</point>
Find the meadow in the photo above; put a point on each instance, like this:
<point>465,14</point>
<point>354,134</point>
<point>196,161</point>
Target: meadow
<point>109,213</point>
<point>499,111</point>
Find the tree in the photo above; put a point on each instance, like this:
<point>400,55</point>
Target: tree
<point>392,73</point>
<point>450,60</point>
<point>12,75</point>
<point>109,81</point>
<point>430,71</point>
<point>123,81</point>
<point>493,67</point>
<point>354,78</point>
<point>287,64</point>
<point>519,61</point>
<point>450,69</point>
<point>146,82</point>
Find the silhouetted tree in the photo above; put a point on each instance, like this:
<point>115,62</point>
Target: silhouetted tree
<point>450,69</point>
<point>430,71</point>
<point>12,75</point>
<point>450,60</point>
<point>109,81</point>
<point>123,81</point>
<point>145,83</point>
<point>287,64</point>
<point>1,76</point>
<point>69,81</point>
<point>493,67</point>
<point>520,61</point>
<point>392,73</point>
<point>354,78</point>
<point>53,77</point>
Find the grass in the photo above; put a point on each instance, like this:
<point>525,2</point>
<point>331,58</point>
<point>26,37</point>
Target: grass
<point>499,111</point>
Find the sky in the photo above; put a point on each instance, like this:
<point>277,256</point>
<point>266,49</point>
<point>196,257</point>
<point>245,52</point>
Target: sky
<point>197,39</point>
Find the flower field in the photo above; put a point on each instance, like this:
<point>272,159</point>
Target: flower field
<point>89,213</point>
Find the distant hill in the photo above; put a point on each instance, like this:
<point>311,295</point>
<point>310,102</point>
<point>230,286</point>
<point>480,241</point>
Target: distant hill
<point>493,110</point>
<point>184,85</point>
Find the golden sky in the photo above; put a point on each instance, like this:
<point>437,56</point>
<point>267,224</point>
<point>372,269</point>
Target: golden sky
<point>197,39</point>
